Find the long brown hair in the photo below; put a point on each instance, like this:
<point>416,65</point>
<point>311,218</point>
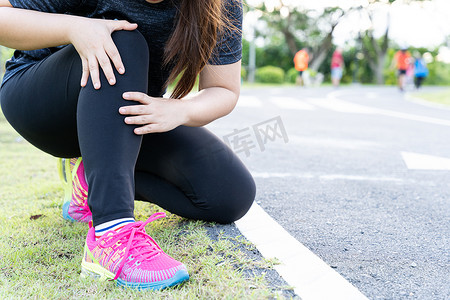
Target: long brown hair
<point>192,42</point>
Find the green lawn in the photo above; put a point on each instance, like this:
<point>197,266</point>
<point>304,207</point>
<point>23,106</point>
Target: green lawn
<point>441,97</point>
<point>40,253</point>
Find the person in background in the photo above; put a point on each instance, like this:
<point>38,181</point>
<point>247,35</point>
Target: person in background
<point>301,60</point>
<point>337,67</point>
<point>402,60</point>
<point>420,70</point>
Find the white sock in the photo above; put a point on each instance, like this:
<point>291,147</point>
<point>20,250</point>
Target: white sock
<point>115,225</point>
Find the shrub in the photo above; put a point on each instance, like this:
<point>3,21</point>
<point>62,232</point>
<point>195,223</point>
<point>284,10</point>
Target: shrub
<point>243,73</point>
<point>291,75</point>
<point>269,74</point>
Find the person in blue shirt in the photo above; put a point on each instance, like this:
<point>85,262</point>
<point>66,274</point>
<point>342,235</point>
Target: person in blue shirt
<point>420,70</point>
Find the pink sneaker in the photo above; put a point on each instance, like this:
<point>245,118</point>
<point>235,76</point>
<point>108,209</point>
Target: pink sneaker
<point>131,257</point>
<point>75,207</point>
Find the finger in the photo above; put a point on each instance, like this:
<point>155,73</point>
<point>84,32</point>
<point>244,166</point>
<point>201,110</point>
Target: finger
<point>113,53</point>
<point>149,128</point>
<point>93,70</point>
<point>105,64</point>
<point>135,110</point>
<point>137,96</point>
<point>124,25</point>
<point>140,120</point>
<point>85,72</point>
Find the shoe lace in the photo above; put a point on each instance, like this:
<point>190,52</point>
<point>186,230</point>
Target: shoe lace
<point>143,245</point>
<point>84,209</point>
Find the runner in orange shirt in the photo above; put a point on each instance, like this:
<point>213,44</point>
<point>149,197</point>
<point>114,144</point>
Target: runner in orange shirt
<point>402,60</point>
<point>301,60</point>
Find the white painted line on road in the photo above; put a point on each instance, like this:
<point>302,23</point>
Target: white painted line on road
<point>336,104</point>
<point>311,277</point>
<point>423,102</point>
<point>249,101</point>
<point>412,117</point>
<point>325,142</point>
<point>358,178</point>
<point>324,177</point>
<point>371,95</point>
<point>291,103</point>
<point>282,175</point>
<point>416,161</point>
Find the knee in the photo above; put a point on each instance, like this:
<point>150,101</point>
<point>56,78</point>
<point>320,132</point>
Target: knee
<point>132,47</point>
<point>235,202</point>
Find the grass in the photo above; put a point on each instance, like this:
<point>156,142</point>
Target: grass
<point>257,85</point>
<point>441,96</point>
<point>40,253</point>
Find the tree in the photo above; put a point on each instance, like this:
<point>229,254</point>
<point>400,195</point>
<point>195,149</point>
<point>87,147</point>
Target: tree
<point>375,50</point>
<point>302,27</point>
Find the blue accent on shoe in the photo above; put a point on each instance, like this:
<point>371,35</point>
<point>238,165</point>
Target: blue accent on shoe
<point>179,277</point>
<point>65,212</point>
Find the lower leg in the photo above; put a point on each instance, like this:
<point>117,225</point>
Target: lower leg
<point>108,146</point>
<point>401,80</point>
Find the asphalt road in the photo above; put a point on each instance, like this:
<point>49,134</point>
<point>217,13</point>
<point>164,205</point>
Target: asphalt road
<point>343,172</point>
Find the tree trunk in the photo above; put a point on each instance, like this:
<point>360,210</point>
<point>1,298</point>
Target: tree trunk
<point>379,70</point>
<point>321,54</point>
<point>377,60</point>
<point>290,41</point>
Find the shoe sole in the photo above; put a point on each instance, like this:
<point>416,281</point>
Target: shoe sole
<point>65,212</point>
<point>66,178</point>
<point>179,277</point>
<point>98,272</point>
<point>64,175</point>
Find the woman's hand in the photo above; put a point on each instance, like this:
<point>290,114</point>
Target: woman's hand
<point>92,40</point>
<point>154,114</point>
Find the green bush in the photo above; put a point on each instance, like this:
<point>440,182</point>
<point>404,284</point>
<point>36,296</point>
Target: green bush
<point>5,54</point>
<point>390,77</point>
<point>269,74</point>
<point>439,73</point>
<point>243,73</point>
<point>291,75</point>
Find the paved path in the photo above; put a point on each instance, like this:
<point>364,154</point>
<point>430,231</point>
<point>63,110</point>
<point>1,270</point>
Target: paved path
<point>360,176</point>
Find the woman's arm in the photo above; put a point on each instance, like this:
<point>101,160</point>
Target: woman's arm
<point>219,92</point>
<point>5,3</point>
<point>28,30</point>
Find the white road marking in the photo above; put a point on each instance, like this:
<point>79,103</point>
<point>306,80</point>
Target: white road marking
<point>333,103</point>
<point>371,95</point>
<point>324,142</point>
<point>311,277</point>
<point>291,103</point>
<point>249,101</point>
<point>342,106</point>
<point>358,178</point>
<point>412,117</point>
<point>423,102</point>
<point>326,177</point>
<point>282,175</point>
<point>416,161</point>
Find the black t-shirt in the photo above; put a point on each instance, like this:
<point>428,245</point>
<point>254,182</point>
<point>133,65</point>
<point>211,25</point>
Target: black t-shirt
<point>155,21</point>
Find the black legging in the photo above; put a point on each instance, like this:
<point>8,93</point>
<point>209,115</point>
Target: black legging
<point>418,80</point>
<point>187,171</point>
